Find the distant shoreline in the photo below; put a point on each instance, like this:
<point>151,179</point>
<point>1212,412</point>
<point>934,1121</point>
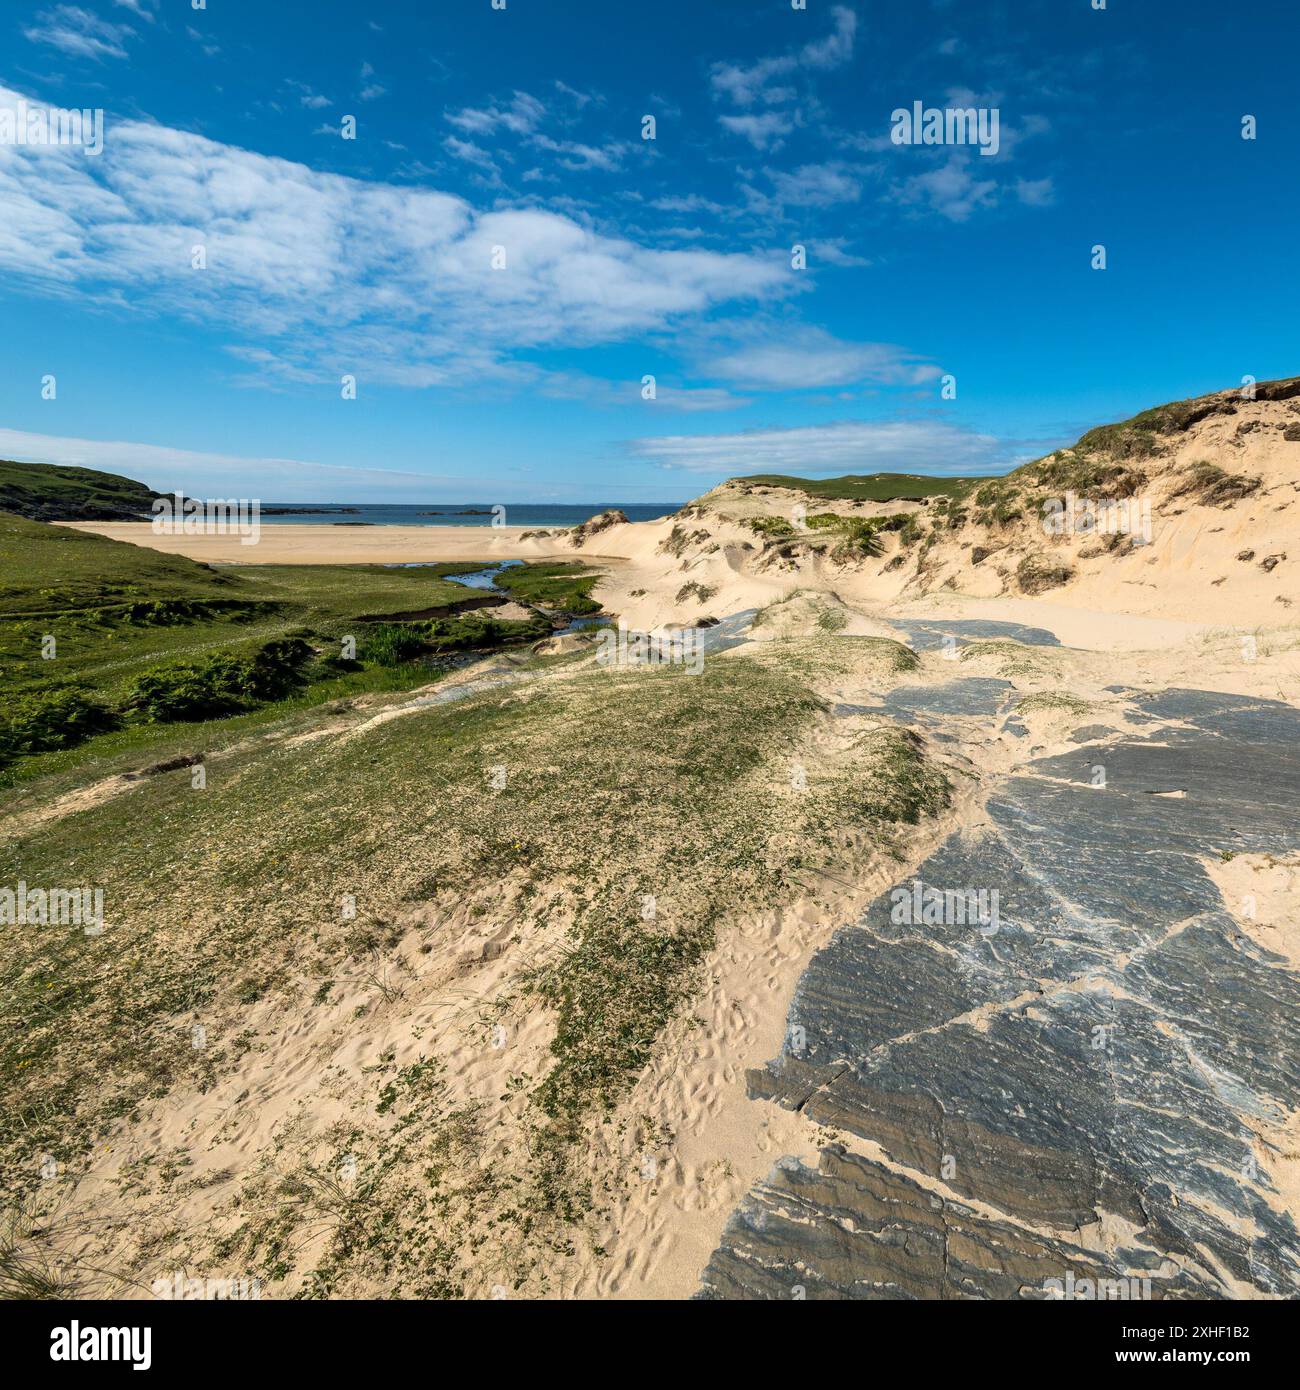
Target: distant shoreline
<point>482,515</point>
<point>326,543</point>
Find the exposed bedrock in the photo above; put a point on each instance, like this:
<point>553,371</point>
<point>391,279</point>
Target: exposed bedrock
<point>1080,1083</point>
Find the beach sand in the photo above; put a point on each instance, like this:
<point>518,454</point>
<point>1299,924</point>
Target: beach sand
<point>346,545</point>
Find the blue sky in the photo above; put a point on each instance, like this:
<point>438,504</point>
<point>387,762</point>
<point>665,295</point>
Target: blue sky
<point>521,128</point>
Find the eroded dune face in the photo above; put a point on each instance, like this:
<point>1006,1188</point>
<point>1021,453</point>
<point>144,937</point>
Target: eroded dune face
<point>1187,513</point>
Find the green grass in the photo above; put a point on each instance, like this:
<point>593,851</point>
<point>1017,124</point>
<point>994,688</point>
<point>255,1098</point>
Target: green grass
<point>55,492</point>
<point>564,586</point>
<point>120,613</point>
<point>1012,658</point>
<point>1139,436</point>
<point>127,747</point>
<point>868,487</point>
<point>621,783</point>
<point>480,630</point>
<point>1053,702</point>
<point>813,658</point>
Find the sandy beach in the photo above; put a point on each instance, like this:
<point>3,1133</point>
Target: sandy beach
<point>344,545</point>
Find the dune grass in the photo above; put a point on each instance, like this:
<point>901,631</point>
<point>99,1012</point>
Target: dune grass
<point>621,784</point>
<point>868,487</point>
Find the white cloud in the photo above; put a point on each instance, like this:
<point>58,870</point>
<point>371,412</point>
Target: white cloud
<point>522,116</point>
<point>79,33</point>
<point>210,49</point>
<point>697,398</point>
<point>950,190</point>
<point>837,47</point>
<point>142,8</point>
<point>471,153</point>
<point>688,202</point>
<point>1036,193</point>
<point>799,359</point>
<point>332,273</point>
<point>579,99</point>
<point>746,84</point>
<point>816,185</point>
<point>370,89</point>
<point>848,446</point>
<point>577,156</point>
<point>835,251</point>
<point>765,132</point>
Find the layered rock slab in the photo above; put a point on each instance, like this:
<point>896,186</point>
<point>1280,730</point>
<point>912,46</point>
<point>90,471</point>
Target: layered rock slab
<point>1082,1086</point>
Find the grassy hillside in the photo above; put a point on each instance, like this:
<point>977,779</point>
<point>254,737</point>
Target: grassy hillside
<point>117,613</point>
<point>867,487</point>
<point>52,492</point>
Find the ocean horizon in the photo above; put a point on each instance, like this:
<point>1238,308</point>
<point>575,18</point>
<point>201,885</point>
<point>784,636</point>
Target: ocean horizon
<point>539,514</point>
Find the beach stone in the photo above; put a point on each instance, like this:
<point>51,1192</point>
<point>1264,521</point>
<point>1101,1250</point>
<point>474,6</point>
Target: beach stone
<point>975,697</point>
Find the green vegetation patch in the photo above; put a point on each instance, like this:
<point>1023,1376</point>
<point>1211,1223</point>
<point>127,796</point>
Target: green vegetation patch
<point>60,719</point>
<point>867,487</point>
<point>562,585</point>
<point>56,492</point>
<point>479,630</point>
<point>221,684</point>
<point>1213,486</point>
<point>121,626</point>
<point>1036,574</point>
<point>770,527</point>
<point>1140,436</point>
<point>1010,658</point>
<point>1053,702</point>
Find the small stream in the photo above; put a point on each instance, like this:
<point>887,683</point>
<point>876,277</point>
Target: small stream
<point>485,580</point>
